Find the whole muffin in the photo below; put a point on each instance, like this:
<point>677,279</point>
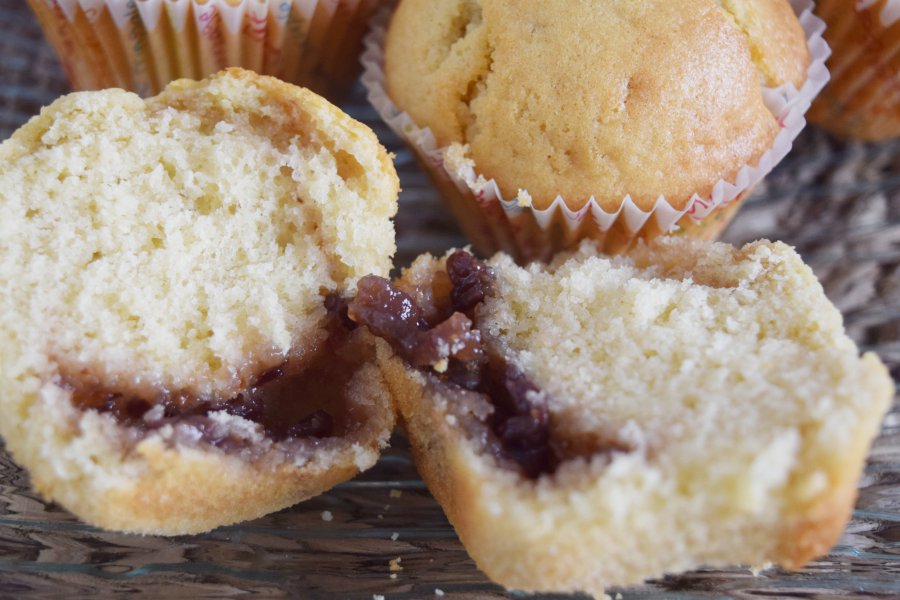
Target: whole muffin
<point>863,98</point>
<point>596,422</point>
<point>142,46</point>
<point>622,103</point>
<point>173,350</point>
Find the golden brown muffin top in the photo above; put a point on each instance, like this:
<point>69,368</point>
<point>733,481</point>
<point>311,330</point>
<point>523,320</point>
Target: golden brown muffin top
<point>597,97</point>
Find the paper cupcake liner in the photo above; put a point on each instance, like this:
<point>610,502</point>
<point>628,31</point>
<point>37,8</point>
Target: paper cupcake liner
<point>494,223</point>
<point>863,98</point>
<point>142,45</point>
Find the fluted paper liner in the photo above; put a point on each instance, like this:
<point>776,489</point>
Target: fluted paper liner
<point>142,45</point>
<point>494,223</point>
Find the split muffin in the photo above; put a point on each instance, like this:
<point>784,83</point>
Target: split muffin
<point>174,353</point>
<point>596,422</point>
<point>550,122</point>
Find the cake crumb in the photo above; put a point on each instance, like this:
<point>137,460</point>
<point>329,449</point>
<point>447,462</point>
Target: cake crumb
<point>394,564</point>
<point>377,597</point>
<point>438,592</point>
<point>327,516</point>
<point>396,493</point>
<point>394,536</point>
<point>224,127</point>
<point>380,517</point>
<point>523,199</point>
<point>441,365</point>
<point>393,576</point>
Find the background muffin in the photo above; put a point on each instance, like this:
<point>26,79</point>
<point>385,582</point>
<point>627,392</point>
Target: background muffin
<point>172,351</point>
<point>141,46</point>
<point>586,126</point>
<point>863,98</point>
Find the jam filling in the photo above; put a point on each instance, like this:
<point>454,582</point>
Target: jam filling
<point>290,401</point>
<point>434,330</point>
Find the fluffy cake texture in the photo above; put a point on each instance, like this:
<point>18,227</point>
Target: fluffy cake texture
<point>183,246</point>
<point>587,107</point>
<point>709,408</point>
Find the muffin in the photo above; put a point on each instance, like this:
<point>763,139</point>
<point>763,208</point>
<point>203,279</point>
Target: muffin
<point>863,98</point>
<point>615,121</point>
<point>600,421</point>
<point>142,46</point>
<point>174,348</point>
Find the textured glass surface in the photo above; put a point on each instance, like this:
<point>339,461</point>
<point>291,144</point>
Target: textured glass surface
<point>838,203</point>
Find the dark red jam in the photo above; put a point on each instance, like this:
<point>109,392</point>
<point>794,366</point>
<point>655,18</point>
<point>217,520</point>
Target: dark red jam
<point>441,337</point>
<point>290,401</point>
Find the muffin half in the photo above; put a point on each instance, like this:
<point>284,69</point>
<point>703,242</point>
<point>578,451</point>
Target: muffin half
<point>173,353</point>
<point>597,422</point>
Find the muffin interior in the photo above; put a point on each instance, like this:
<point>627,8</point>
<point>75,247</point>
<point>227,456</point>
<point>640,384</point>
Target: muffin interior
<point>433,324</point>
<point>672,354</point>
<point>691,351</point>
<point>312,402</point>
<point>178,257</point>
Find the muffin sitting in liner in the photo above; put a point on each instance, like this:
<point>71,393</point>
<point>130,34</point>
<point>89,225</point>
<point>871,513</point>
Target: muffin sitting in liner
<point>141,45</point>
<point>552,121</point>
<point>597,422</point>
<point>174,353</point>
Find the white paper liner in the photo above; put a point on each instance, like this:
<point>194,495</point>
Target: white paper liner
<point>147,43</point>
<point>177,12</point>
<point>788,104</point>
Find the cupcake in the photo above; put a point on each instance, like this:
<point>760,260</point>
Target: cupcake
<point>863,99</point>
<point>174,348</point>
<point>543,123</point>
<point>141,45</point>
<point>598,422</point>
